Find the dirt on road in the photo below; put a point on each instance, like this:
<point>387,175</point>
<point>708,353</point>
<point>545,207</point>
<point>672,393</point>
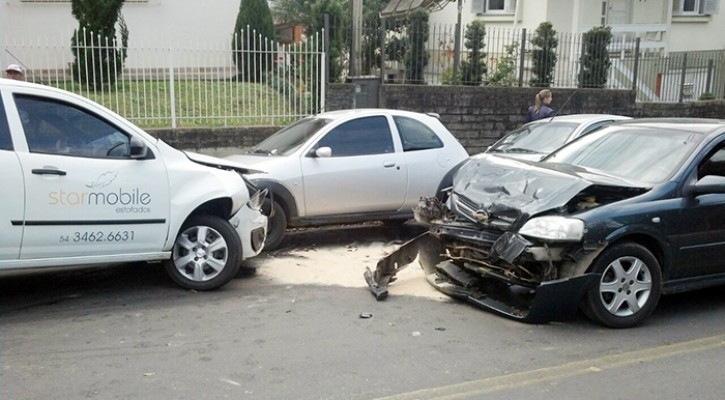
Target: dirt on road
<point>338,255</point>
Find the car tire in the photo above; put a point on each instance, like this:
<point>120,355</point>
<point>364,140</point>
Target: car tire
<point>629,288</point>
<point>193,265</point>
<point>276,224</point>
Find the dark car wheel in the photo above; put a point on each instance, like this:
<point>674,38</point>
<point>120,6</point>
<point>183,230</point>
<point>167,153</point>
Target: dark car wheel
<point>276,224</point>
<point>206,255</point>
<point>629,288</point>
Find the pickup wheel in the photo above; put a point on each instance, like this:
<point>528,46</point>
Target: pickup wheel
<point>276,224</point>
<point>207,253</point>
<point>629,289</point>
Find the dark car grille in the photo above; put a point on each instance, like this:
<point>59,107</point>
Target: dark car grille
<point>465,207</point>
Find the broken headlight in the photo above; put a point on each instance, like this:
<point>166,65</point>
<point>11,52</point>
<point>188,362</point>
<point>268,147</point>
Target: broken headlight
<point>554,228</point>
<point>255,202</point>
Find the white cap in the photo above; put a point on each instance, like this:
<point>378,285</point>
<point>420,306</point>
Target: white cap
<point>14,67</point>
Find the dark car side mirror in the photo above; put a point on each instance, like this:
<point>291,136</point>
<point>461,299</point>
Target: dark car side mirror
<point>710,184</point>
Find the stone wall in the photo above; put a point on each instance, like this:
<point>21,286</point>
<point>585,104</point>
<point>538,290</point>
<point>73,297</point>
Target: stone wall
<point>214,141</point>
<point>477,116</point>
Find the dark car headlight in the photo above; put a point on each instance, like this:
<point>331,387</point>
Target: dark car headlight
<point>554,228</point>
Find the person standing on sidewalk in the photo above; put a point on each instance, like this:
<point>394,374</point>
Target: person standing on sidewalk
<point>13,71</point>
<point>542,106</point>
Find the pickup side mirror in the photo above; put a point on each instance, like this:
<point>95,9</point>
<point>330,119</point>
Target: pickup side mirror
<point>709,184</point>
<point>138,148</point>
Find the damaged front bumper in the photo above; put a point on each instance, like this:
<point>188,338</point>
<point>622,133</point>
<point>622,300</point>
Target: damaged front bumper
<point>549,300</point>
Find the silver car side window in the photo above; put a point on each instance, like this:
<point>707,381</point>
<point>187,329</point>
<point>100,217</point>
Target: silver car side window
<point>415,135</point>
<point>362,136</point>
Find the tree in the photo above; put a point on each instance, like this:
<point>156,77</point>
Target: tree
<point>253,42</point>
<point>99,57</point>
<point>311,15</point>
<point>474,67</point>
<point>595,60</point>
<point>543,55</point>
<point>416,56</point>
<point>372,25</point>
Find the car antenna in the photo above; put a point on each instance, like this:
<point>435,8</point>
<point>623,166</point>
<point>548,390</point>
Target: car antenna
<point>556,113</point>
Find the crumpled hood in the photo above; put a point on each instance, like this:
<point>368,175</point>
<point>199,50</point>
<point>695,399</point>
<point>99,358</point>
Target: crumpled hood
<point>220,163</point>
<point>256,160</point>
<point>506,189</point>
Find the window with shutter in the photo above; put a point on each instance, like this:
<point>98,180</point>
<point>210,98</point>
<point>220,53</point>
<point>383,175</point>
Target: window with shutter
<point>496,7</point>
<point>695,7</point>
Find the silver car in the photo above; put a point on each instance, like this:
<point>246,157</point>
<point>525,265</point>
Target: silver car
<point>537,139</point>
<point>351,166</point>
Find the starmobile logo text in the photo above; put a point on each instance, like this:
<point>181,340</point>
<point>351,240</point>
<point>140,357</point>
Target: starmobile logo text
<point>121,197</point>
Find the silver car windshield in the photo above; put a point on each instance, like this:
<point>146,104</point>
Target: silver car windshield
<point>642,155</point>
<point>287,140</point>
<point>541,137</point>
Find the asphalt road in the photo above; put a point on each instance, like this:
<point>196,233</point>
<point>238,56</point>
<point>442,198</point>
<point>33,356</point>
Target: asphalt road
<point>128,332</point>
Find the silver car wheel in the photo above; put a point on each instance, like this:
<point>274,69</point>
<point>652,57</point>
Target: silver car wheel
<point>625,286</point>
<point>200,253</point>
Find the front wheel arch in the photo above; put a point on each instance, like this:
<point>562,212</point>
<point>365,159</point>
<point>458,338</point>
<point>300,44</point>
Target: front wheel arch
<point>629,287</point>
<point>206,254</point>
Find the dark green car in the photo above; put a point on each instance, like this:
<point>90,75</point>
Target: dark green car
<point>607,223</point>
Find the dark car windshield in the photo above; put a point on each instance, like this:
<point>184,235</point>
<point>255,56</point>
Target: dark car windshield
<point>290,138</point>
<point>541,137</point>
<point>643,155</point>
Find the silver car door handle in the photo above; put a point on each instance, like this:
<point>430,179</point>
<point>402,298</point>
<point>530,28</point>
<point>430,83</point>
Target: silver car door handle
<point>389,164</point>
<point>47,171</point>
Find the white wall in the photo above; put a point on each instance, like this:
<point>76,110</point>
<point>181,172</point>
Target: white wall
<point>698,33</point>
<point>156,23</point>
<point>154,27</point>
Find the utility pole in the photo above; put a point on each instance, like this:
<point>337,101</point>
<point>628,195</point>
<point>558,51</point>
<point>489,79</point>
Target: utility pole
<point>457,45</point>
<point>355,57</point>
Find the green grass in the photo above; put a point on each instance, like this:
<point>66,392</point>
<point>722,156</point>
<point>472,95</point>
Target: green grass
<point>197,103</point>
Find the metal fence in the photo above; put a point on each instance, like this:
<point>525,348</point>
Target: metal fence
<point>638,59</point>
<point>192,85</point>
<point>199,84</point>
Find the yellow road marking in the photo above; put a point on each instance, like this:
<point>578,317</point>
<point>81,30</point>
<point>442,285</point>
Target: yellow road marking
<point>593,365</point>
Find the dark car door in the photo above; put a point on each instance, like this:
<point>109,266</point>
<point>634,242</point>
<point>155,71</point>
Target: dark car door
<point>701,236</point>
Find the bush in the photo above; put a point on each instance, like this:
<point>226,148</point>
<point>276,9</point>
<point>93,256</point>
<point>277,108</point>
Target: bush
<point>448,77</point>
<point>595,61</point>
<point>543,55</point>
<point>505,72</point>
<point>474,68</point>
<point>416,57</point>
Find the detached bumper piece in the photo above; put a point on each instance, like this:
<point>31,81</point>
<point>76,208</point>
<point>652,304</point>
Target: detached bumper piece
<point>423,246</point>
<point>549,301</point>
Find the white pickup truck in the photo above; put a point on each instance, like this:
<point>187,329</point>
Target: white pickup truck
<point>82,185</point>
